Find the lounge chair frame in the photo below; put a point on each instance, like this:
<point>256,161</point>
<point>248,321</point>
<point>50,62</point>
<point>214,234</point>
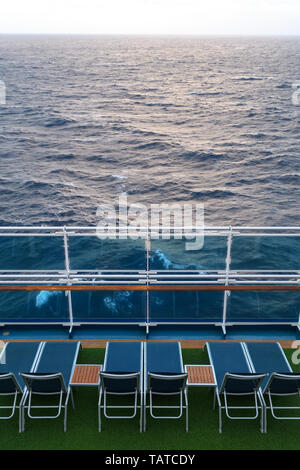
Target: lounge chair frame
<point>17,393</point>
<point>19,390</point>
<point>258,401</point>
<point>121,376</point>
<point>267,392</point>
<point>104,391</point>
<point>29,379</point>
<point>182,393</point>
<point>65,391</point>
<point>219,393</point>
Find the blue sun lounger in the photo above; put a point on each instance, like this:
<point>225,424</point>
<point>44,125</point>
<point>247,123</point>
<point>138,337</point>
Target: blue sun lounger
<point>122,375</point>
<point>16,357</point>
<point>235,378</point>
<point>164,375</point>
<point>281,381</point>
<point>51,376</point>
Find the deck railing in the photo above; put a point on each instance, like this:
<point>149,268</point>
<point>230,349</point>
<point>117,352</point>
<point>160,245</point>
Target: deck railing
<point>224,277</point>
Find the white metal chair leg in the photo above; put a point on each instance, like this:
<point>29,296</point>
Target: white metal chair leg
<point>141,412</point>
<point>265,416</point>
<point>187,412</point>
<point>23,420</point>
<point>20,418</point>
<point>145,416</point>
<point>65,418</point>
<point>262,417</point>
<point>23,415</point>
<point>72,398</point>
<point>99,410</point>
<point>220,420</point>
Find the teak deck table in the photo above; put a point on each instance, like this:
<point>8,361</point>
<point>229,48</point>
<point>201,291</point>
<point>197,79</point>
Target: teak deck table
<point>200,375</point>
<point>86,375</point>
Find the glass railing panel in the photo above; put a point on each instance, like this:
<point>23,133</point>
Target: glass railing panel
<point>90,252</point>
<point>260,306</point>
<point>173,255</point>
<point>32,252</point>
<point>186,306</point>
<point>265,253</point>
<point>34,306</point>
<point>109,306</point>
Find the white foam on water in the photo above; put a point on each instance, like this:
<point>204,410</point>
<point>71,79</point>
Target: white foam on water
<point>110,304</point>
<point>43,297</point>
<point>113,302</point>
<point>120,177</point>
<point>166,262</point>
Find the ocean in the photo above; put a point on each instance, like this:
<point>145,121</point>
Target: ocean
<point>158,119</point>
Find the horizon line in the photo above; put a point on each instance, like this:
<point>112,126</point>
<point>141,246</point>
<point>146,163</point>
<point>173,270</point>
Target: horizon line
<point>274,35</point>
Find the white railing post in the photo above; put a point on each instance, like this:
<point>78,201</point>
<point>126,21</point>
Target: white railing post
<point>148,246</point>
<point>67,266</point>
<point>226,292</point>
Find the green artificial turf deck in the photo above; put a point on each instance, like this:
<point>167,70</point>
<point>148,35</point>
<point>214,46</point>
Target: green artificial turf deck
<point>161,434</point>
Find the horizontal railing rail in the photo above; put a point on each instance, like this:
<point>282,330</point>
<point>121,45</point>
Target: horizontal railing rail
<point>145,278</point>
<point>149,288</point>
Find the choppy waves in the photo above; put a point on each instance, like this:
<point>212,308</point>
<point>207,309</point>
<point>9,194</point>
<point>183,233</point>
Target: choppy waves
<point>164,120</point>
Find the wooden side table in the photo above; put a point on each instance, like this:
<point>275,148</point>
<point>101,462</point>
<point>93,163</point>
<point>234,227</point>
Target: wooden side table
<point>200,375</point>
<point>86,375</point>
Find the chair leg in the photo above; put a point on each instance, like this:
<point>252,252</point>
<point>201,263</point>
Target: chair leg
<point>187,412</point>
<point>99,410</point>
<point>265,413</point>
<point>23,416</point>
<point>65,417</point>
<point>20,418</point>
<point>145,406</point>
<point>23,419</point>
<point>262,419</point>
<point>141,412</point>
<point>72,398</point>
<point>220,419</point>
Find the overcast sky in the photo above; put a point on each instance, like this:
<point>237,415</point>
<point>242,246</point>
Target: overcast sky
<point>254,17</point>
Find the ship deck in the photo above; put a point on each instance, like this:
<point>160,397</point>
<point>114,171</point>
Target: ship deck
<point>124,434</point>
